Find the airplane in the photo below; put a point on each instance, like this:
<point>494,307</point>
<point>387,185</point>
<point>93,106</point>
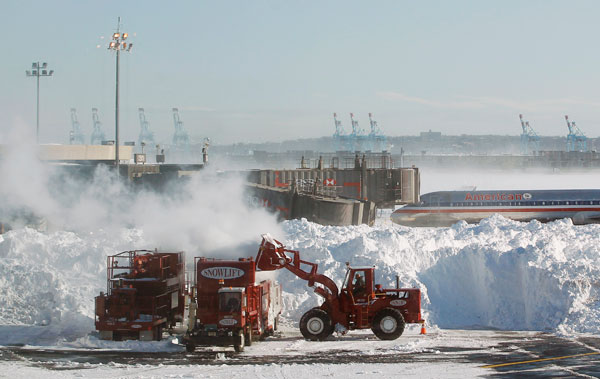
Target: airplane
<point>444,208</point>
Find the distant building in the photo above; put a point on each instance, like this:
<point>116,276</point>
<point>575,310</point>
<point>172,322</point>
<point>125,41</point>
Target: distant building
<point>431,136</point>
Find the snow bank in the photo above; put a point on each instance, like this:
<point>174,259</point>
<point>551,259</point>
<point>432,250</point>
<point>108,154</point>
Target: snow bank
<point>498,274</point>
<point>49,282</point>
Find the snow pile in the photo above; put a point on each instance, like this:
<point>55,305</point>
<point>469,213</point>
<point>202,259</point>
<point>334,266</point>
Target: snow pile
<point>499,274</point>
<point>49,281</point>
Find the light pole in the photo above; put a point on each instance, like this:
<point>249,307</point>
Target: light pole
<point>118,44</point>
<point>38,70</point>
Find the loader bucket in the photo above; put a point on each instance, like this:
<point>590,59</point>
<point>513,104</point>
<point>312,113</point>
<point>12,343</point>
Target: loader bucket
<point>271,255</point>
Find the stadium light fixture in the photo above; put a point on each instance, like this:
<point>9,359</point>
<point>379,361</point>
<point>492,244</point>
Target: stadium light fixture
<point>37,71</point>
<point>117,45</point>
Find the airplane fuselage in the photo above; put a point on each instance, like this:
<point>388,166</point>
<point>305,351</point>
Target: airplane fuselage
<point>444,208</point>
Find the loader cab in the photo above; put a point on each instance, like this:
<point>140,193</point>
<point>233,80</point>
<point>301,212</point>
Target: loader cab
<point>232,304</point>
<point>358,284</point>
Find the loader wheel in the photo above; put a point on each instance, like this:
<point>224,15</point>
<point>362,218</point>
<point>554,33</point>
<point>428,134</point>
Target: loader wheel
<point>315,325</point>
<point>388,324</point>
<point>239,343</point>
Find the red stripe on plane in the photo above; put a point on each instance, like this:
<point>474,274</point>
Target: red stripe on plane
<point>497,210</point>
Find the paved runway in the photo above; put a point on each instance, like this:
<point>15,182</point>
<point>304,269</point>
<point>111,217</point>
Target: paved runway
<point>505,354</point>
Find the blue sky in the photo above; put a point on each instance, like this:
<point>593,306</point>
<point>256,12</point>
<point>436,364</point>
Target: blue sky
<point>251,71</point>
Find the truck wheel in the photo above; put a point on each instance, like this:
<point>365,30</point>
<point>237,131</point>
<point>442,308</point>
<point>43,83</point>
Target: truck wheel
<point>388,324</point>
<point>249,338</point>
<point>190,347</point>
<point>239,344</point>
<point>315,325</point>
<point>158,333</point>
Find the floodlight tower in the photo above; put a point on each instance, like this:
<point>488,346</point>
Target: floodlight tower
<point>38,70</point>
<point>117,44</point>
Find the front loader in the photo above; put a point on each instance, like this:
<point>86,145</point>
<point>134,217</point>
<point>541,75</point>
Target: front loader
<point>360,304</point>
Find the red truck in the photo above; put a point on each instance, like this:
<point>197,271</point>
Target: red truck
<point>228,307</point>
<point>145,294</point>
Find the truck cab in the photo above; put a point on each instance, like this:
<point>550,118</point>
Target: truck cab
<point>358,286</point>
<point>232,306</point>
<point>228,307</point>
<point>361,299</point>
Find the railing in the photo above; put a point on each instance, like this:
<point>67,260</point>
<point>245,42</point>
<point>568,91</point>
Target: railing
<point>315,187</point>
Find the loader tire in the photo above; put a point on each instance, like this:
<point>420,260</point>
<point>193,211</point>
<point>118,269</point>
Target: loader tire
<point>315,325</point>
<point>388,324</point>
<point>240,342</point>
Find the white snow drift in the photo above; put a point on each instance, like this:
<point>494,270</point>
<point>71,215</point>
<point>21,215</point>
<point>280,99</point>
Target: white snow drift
<point>497,274</point>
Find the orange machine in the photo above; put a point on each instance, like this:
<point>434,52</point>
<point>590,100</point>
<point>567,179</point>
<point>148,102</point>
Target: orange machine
<point>145,294</point>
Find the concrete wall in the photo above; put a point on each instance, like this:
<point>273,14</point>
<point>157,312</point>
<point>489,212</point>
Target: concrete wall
<point>84,152</point>
<point>541,159</point>
<point>292,205</point>
<point>77,152</point>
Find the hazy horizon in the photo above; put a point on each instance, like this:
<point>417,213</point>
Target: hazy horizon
<point>268,70</point>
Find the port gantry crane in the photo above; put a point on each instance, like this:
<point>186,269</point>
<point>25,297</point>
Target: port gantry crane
<point>576,140</point>
<point>340,138</point>
<point>97,134</point>
<point>358,140</point>
<point>76,137</point>
<point>181,139</point>
<point>377,139</point>
<point>358,135</point>
<point>146,136</point>
<point>529,138</point>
